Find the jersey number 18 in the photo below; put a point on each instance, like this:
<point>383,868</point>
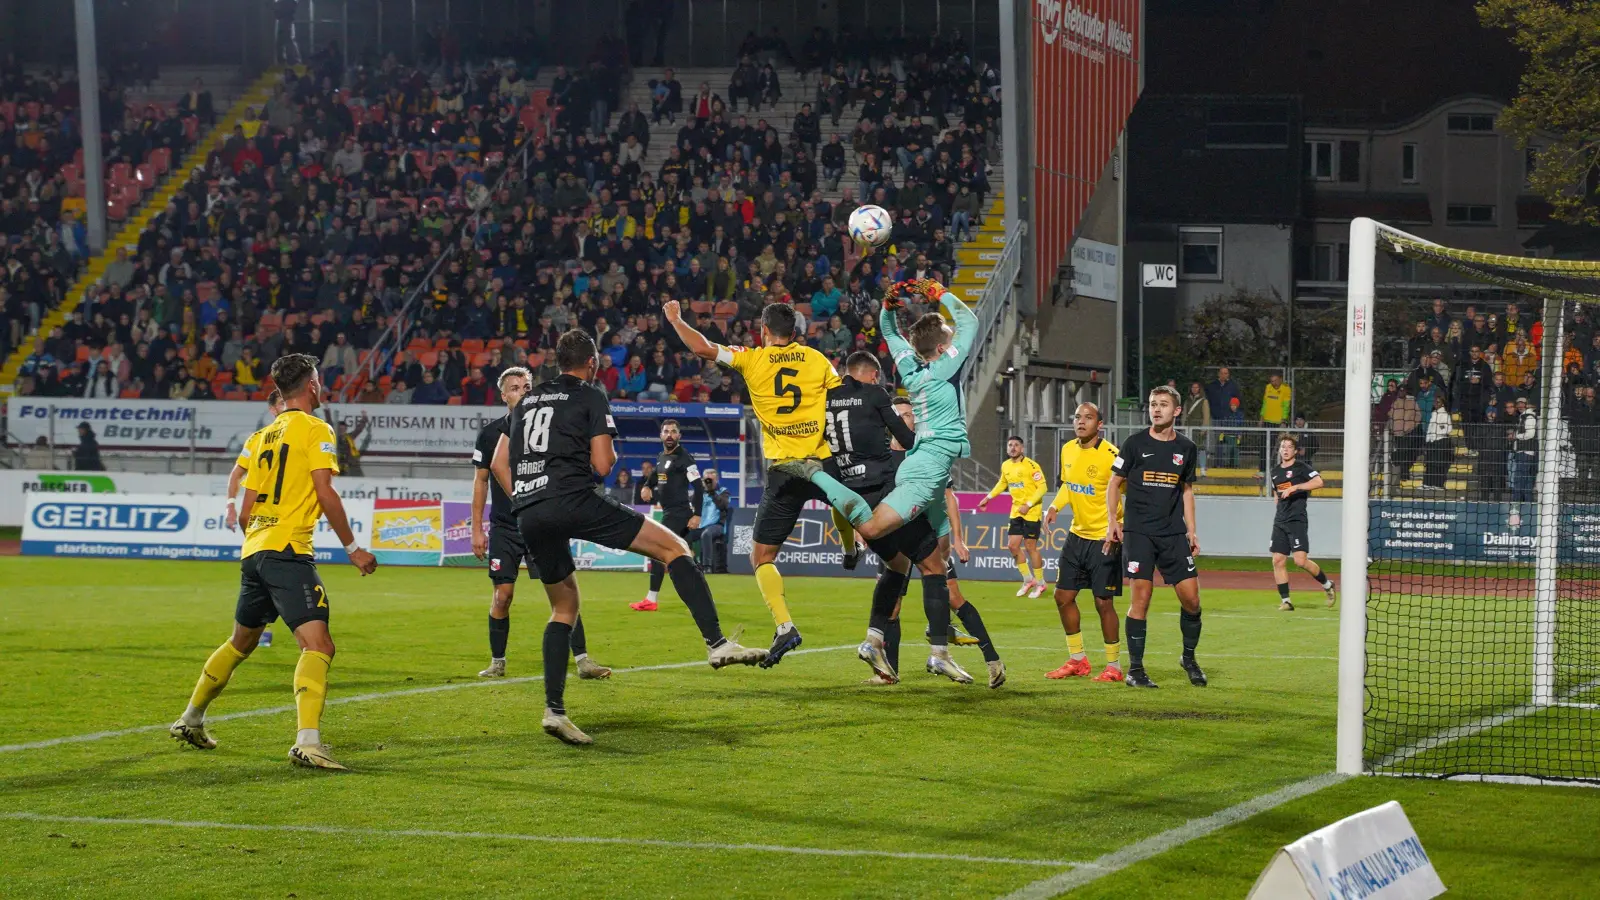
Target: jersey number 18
<point>536,429</point>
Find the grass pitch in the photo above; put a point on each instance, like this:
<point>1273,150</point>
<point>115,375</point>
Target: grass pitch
<point>797,781</point>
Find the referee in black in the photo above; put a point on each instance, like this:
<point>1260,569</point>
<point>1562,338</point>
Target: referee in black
<point>1158,467</point>
<point>676,488</point>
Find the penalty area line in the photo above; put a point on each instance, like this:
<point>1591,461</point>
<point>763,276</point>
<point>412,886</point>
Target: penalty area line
<point>360,698</point>
<point>1155,845</point>
<point>339,830</point>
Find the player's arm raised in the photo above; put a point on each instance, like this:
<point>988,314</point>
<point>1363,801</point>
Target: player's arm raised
<point>333,509</point>
<point>692,338</point>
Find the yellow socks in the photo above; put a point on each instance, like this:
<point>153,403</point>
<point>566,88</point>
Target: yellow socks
<point>213,678</point>
<point>1114,655</point>
<point>1026,570</point>
<point>1075,645</point>
<point>771,584</point>
<point>847,532</point>
<point>310,693</point>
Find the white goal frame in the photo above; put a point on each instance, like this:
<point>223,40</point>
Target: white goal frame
<point>1356,506</point>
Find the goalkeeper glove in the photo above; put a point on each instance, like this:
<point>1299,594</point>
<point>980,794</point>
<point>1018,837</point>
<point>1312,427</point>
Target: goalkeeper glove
<point>895,296</point>
<point>927,287</point>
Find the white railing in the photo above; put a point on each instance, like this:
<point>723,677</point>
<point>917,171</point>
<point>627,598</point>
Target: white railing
<point>998,296</point>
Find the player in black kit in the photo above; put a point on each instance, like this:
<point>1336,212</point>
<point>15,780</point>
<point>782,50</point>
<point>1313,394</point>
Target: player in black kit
<point>1157,465</point>
<point>676,487</point>
<point>560,435</point>
<point>1293,480</point>
<point>861,420</point>
<point>501,543</point>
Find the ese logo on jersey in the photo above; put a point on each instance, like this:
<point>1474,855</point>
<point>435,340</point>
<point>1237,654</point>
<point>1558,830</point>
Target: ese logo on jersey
<point>494,565</point>
<point>1133,567</point>
<point>1177,459</point>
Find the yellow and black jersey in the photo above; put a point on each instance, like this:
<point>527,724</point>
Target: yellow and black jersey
<point>286,507</point>
<point>1085,472</point>
<point>250,450</point>
<point>788,387</point>
<point>1025,482</point>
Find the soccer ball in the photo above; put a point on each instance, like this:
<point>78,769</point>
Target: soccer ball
<point>870,225</point>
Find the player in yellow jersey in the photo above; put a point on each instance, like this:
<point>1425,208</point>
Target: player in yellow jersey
<point>1085,564</point>
<point>788,383</point>
<point>1024,480</point>
<point>289,487</point>
<point>241,468</point>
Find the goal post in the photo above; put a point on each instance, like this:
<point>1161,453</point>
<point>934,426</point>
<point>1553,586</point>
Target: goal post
<point>1469,635</point>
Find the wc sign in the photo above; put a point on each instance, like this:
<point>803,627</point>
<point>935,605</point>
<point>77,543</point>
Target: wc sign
<point>1160,275</point>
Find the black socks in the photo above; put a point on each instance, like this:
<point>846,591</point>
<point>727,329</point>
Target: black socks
<point>1135,629</point>
<point>557,644</point>
<point>1189,623</point>
<point>696,594</point>
<point>1283,590</point>
<point>936,604</point>
<point>499,633</point>
<point>973,623</point>
<point>580,646</point>
<point>891,643</point>
<point>885,594</point>
<point>657,572</point>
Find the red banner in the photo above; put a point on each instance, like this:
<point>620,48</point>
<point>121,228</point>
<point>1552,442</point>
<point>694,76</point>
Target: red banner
<point>1085,81</point>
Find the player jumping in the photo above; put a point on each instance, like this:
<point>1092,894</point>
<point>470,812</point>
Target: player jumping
<point>503,546</point>
<point>788,384</point>
<point>241,468</point>
<point>675,486</point>
<point>560,436</point>
<point>1293,480</point>
<point>290,485</point>
<point>1025,481</point>
<point>929,365</point>
<point>1086,563</point>
<point>1158,467</point>
<point>861,422</point>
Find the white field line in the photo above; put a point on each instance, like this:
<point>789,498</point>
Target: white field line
<point>1117,860</point>
<point>1198,828</point>
<point>339,830</point>
<point>360,698</point>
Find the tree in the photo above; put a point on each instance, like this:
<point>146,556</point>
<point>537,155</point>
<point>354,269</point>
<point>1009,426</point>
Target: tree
<point>1559,96</point>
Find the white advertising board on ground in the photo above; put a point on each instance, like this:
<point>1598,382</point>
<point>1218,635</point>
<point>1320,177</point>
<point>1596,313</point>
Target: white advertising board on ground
<point>16,485</point>
<point>1372,855</point>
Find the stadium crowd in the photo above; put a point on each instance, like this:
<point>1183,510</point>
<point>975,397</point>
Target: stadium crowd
<point>316,221</point>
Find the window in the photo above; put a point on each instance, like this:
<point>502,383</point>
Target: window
<point>1470,123</point>
<point>1468,214</point>
<point>1322,262</point>
<point>1316,159</point>
<point>1200,254</point>
<point>1349,161</point>
<point>1408,163</point>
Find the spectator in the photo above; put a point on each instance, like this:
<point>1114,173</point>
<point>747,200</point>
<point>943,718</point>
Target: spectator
<point>1222,393</point>
<point>86,455</point>
<point>348,452</point>
<point>641,490</point>
<point>1405,430</point>
<point>1474,383</point>
<point>1522,464</point>
<point>247,371</point>
<point>398,392</point>
<point>622,491</point>
<point>1519,359</point>
<point>1228,438</point>
<point>1276,400</point>
<point>478,391</point>
<point>1491,441</point>
<point>431,392</point>
<point>631,383</point>
<point>1309,442</point>
<point>1436,454</point>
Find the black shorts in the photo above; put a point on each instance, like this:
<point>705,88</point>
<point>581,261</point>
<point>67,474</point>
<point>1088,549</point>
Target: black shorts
<point>916,539</point>
<point>677,522</point>
<point>1290,537</point>
<point>1085,566</point>
<point>506,553</point>
<point>275,583</point>
<point>1028,529</point>
<point>781,503</point>
<point>1142,554</point>
<point>549,526</point>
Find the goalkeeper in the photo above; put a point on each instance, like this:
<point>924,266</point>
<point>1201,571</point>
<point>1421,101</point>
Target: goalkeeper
<point>929,362</point>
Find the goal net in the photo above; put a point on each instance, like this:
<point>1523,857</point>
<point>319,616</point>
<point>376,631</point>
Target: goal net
<point>1470,631</point>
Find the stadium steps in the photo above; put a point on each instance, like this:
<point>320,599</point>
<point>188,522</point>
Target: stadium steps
<point>259,92</point>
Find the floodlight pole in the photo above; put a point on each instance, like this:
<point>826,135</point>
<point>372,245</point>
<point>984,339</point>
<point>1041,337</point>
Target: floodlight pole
<point>94,170</point>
